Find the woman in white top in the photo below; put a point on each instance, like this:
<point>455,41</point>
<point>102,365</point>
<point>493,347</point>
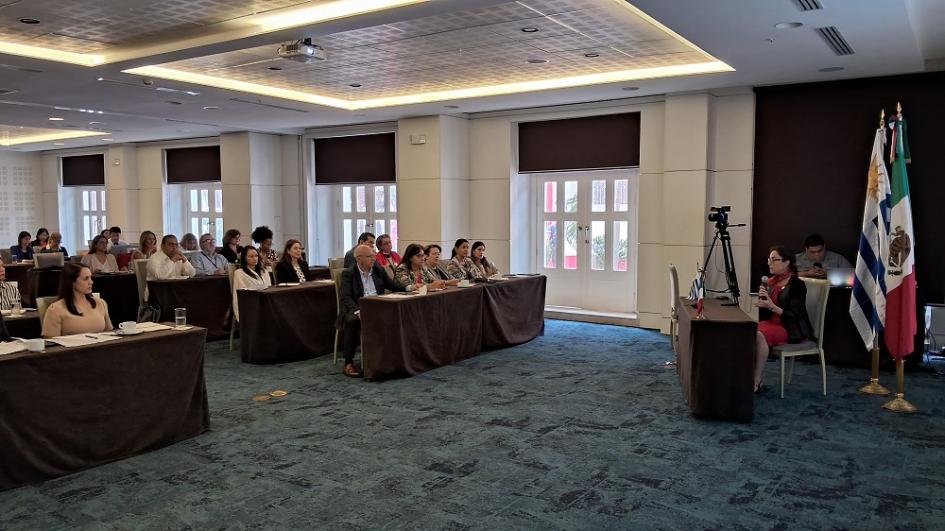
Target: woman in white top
<point>250,275</point>
<point>99,260</point>
<point>76,311</point>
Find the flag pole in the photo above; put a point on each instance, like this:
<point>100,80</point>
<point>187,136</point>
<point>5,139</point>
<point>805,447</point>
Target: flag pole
<point>900,404</point>
<point>874,387</point>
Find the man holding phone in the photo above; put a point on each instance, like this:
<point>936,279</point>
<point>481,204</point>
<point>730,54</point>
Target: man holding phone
<point>816,259</point>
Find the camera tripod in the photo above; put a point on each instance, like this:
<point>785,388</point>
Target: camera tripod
<point>722,235</point>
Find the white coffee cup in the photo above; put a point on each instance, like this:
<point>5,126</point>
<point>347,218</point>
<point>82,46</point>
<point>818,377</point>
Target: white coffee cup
<point>464,283</point>
<point>128,327</point>
<point>422,290</point>
<point>35,345</point>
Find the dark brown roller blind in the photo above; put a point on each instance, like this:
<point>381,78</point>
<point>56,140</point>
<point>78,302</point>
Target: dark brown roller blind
<point>355,159</point>
<point>192,165</point>
<point>83,170</point>
<point>592,142</point>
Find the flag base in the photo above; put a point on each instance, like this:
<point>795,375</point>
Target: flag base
<point>874,388</point>
<point>900,405</point>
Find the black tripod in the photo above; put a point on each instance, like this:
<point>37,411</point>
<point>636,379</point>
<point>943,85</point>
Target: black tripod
<point>722,235</point>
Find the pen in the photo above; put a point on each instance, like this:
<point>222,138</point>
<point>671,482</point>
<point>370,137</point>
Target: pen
<point>91,337</point>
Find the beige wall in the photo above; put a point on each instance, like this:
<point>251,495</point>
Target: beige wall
<point>22,201</point>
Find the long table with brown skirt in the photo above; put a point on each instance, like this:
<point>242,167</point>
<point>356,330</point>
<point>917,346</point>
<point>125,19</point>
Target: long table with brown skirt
<point>119,290</point>
<point>716,360</point>
<point>25,325</point>
<point>19,273</point>
<point>207,299</point>
<point>287,323</point>
<point>411,334</point>
<point>65,410</point>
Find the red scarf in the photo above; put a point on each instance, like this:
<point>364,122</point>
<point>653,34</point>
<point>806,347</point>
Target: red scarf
<point>774,285</point>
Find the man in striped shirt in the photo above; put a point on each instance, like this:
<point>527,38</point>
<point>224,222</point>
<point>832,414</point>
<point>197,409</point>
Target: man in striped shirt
<point>9,292</point>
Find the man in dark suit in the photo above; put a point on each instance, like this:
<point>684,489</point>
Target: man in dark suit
<point>360,280</point>
<point>366,238</point>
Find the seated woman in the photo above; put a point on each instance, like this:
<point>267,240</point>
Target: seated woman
<point>147,245</point>
<point>385,257</point>
<point>9,291</point>
<point>99,260</point>
<point>76,311</point>
<point>42,238</point>
<point>461,265</point>
<point>267,255</point>
<point>250,275</point>
<point>782,310</point>
<point>432,264</point>
<point>292,268</point>
<point>54,245</point>
<point>412,270</point>
<point>188,242</point>
<point>22,250</point>
<point>231,245</point>
<point>485,267</point>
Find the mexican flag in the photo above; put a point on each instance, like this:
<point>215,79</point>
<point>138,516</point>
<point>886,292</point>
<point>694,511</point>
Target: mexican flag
<point>900,260</point>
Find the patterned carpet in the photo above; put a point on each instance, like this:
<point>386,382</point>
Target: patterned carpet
<point>582,428</point>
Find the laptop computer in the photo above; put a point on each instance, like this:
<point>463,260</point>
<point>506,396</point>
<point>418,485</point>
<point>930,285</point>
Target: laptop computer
<point>841,277</point>
<point>48,260</point>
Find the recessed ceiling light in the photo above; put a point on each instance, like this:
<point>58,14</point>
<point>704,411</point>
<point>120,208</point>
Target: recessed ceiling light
<point>27,20</point>
<point>275,68</point>
<point>630,89</point>
<point>831,69</point>
<point>591,55</point>
<point>788,25</point>
<point>355,85</point>
<point>96,123</point>
<point>537,61</point>
<point>55,119</point>
<point>530,29</point>
<point>452,106</point>
<point>107,140</point>
<point>59,143</point>
<point>211,108</point>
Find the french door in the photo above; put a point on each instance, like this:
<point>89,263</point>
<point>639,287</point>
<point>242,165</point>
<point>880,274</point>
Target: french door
<point>205,210</point>
<point>93,220</point>
<point>366,208</point>
<point>587,238</point>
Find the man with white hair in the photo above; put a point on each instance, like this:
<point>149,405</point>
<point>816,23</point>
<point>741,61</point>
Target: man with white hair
<point>361,280</point>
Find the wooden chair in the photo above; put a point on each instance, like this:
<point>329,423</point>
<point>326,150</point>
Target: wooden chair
<point>817,293</point>
<point>141,278</point>
<point>336,278</point>
<point>673,305</point>
<point>336,263</point>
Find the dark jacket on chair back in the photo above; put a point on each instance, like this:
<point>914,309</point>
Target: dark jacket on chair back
<point>793,300</point>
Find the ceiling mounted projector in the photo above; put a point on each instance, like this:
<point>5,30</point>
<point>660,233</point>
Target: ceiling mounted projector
<point>302,51</point>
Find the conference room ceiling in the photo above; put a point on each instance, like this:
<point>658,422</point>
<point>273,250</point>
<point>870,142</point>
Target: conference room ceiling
<point>144,70</point>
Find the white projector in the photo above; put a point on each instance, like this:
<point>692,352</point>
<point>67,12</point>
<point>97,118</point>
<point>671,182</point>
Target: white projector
<point>301,52</point>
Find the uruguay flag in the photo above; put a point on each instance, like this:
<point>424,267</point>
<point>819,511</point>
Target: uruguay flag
<point>868,303</point>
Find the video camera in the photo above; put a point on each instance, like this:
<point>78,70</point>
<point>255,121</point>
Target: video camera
<point>719,215</point>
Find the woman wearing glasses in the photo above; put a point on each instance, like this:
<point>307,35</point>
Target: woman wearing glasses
<point>412,271</point>
<point>782,310</point>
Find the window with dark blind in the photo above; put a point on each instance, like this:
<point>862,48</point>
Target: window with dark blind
<point>191,165</point>
<point>83,170</point>
<point>588,143</point>
<point>355,159</point>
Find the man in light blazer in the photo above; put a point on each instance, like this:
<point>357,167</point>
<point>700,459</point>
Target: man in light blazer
<point>361,280</point>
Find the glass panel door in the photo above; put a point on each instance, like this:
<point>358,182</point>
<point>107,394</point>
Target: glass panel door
<point>92,217</point>
<point>205,209</point>
<point>365,208</point>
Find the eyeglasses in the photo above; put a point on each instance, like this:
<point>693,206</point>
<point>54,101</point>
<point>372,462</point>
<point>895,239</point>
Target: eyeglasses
<point>775,259</point>
<point>208,240</point>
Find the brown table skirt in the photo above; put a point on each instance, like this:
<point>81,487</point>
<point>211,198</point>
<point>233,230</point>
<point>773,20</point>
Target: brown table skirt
<point>207,299</point>
<point>283,324</point>
<point>68,409</point>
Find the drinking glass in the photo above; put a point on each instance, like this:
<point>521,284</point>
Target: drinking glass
<point>180,317</point>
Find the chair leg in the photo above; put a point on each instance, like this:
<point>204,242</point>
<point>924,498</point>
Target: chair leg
<point>232,333</point>
<point>790,370</point>
<point>782,375</point>
<point>334,357</point>
<point>823,371</point>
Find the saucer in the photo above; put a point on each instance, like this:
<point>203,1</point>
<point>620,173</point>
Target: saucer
<point>120,332</point>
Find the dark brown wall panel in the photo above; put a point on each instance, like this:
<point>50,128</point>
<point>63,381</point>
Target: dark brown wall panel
<point>593,142</point>
<point>356,159</point>
<point>83,170</point>
<point>190,165</point>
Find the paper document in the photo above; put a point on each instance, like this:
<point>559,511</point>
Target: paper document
<point>152,327</point>
<point>80,340</point>
<point>9,347</point>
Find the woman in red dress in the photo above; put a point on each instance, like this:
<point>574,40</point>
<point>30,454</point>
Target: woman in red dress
<point>782,310</point>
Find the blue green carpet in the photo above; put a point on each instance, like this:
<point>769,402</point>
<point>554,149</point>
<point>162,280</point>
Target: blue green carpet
<point>583,428</point>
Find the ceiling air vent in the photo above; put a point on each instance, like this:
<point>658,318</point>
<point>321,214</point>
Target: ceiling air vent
<point>835,40</point>
<point>808,5</point>
<point>5,91</point>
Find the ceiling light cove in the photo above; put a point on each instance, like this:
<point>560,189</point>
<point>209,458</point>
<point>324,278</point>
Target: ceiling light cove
<point>667,54</point>
<point>18,135</point>
<point>323,12</point>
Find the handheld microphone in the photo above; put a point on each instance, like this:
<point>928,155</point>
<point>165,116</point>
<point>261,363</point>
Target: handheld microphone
<point>764,284</point>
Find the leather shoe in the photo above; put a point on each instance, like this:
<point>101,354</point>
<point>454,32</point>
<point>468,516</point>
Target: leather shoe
<point>351,371</point>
